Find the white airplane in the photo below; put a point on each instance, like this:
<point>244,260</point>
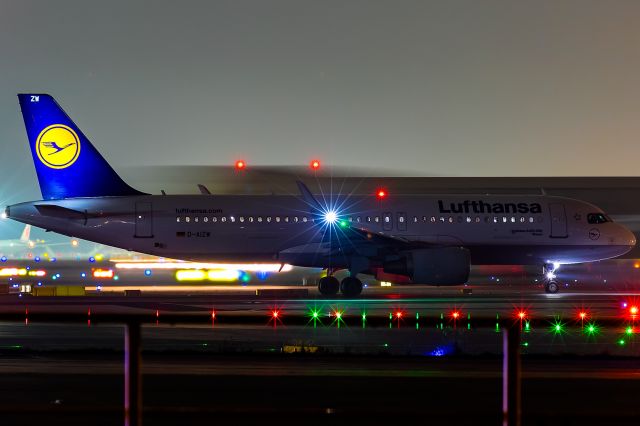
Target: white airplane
<point>24,242</point>
<point>429,239</point>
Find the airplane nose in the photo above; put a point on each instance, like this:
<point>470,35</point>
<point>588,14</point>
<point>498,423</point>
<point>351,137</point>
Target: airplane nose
<point>627,237</point>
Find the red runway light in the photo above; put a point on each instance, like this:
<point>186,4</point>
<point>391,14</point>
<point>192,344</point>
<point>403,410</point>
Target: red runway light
<point>522,315</point>
<point>583,315</point>
<point>398,314</point>
<point>455,314</point>
<point>315,165</point>
<point>240,165</point>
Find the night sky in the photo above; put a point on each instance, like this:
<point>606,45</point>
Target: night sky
<point>434,87</point>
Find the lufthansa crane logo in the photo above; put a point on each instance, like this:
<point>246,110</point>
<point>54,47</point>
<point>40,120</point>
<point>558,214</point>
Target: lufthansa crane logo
<point>58,146</point>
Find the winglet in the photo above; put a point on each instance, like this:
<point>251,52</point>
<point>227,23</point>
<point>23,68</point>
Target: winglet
<point>203,189</point>
<point>307,196</point>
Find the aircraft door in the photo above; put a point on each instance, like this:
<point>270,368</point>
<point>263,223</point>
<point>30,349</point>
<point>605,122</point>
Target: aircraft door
<point>144,220</point>
<point>558,221</point>
<point>402,221</point>
<point>387,221</point>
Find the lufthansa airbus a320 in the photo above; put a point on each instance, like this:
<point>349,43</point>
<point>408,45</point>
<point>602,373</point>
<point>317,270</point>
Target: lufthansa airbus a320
<point>426,239</point>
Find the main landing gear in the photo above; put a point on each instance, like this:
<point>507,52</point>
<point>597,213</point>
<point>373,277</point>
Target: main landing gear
<point>329,286</point>
<point>551,286</point>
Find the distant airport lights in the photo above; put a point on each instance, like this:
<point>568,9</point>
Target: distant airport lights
<point>210,275</point>
<point>103,273</point>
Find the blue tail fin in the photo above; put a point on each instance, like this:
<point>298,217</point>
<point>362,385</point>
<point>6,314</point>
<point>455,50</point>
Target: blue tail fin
<point>67,165</point>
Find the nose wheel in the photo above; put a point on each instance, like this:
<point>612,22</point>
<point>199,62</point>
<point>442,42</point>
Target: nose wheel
<point>550,285</point>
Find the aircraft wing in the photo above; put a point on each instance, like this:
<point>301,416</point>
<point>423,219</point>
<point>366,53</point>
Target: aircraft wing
<point>371,244</point>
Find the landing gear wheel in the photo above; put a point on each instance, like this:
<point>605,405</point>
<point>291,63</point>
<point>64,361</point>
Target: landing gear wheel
<point>551,287</point>
<point>328,286</point>
<point>351,286</point>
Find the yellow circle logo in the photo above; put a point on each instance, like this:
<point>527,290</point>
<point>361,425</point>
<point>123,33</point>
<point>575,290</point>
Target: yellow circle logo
<point>58,146</point>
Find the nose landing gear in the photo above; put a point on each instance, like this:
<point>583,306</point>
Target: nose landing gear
<point>551,286</point>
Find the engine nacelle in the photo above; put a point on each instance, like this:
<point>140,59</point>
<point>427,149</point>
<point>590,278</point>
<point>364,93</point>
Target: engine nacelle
<point>435,266</point>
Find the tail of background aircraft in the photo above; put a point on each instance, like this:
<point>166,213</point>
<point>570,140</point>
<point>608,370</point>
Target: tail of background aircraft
<point>67,165</point>
<point>25,234</point>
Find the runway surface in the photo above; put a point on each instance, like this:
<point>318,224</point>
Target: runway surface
<point>242,364</point>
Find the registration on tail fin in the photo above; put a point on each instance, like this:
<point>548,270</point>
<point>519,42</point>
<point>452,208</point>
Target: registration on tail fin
<point>67,164</point>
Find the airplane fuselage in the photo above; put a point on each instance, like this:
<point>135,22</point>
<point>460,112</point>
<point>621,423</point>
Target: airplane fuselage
<point>504,229</point>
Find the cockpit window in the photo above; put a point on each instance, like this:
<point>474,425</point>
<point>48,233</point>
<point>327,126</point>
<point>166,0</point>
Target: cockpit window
<point>595,218</point>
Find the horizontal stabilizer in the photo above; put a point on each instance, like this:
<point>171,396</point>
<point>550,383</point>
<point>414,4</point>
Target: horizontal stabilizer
<point>59,212</point>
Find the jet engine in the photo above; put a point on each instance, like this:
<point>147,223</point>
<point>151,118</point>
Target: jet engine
<point>435,266</point>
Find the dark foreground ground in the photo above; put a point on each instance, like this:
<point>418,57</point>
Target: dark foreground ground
<point>86,388</point>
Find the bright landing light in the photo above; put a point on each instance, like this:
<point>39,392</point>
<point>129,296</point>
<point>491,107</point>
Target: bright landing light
<point>331,217</point>
<point>3,215</point>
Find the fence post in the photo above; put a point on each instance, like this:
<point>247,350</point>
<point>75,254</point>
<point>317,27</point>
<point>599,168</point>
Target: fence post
<point>511,380</point>
<point>132,374</point>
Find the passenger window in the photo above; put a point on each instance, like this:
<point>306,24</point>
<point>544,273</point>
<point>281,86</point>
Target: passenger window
<point>433,219</point>
<point>468,219</point>
<point>196,219</point>
<point>214,219</point>
<point>295,219</point>
<point>223,219</point>
<point>187,219</point>
<point>232,218</point>
<point>304,219</point>
<point>286,219</point>
<point>251,219</point>
<point>241,218</point>
<point>358,219</point>
<point>260,219</point>
<point>205,219</point>
<point>278,219</point>
<point>268,219</point>
<point>376,219</point>
<point>178,219</point>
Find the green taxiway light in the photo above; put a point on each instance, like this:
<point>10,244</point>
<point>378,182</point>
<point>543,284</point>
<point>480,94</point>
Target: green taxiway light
<point>344,224</point>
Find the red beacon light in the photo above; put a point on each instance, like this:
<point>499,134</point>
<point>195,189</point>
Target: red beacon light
<point>522,315</point>
<point>315,165</point>
<point>633,310</point>
<point>381,193</point>
<point>240,165</point>
<point>455,315</point>
<point>275,313</point>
